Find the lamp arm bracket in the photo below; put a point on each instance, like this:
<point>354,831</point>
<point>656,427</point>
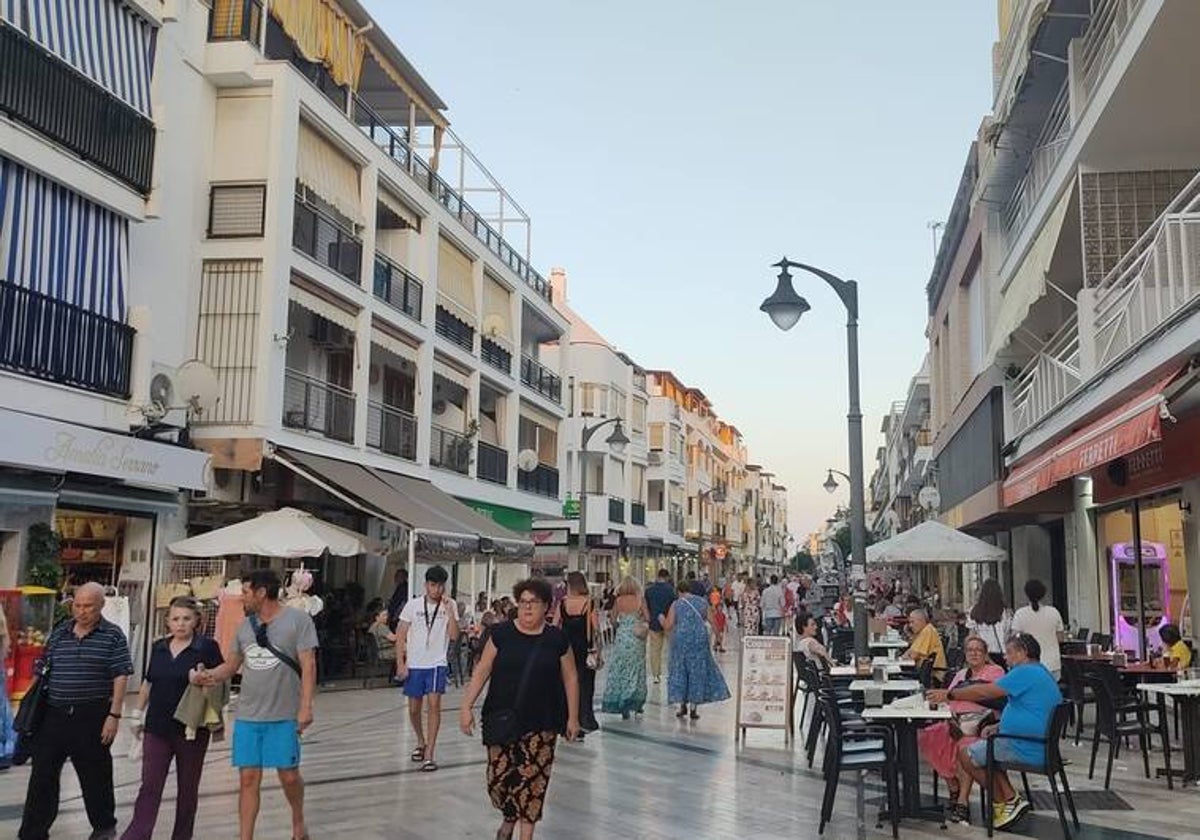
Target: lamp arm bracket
<point>847,290</point>
<point>588,431</point>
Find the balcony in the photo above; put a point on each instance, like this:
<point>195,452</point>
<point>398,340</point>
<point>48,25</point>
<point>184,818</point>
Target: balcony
<point>541,481</point>
<point>313,405</point>
<point>1056,132</point>
<point>236,20</point>
<point>637,513</point>
<point>392,431</point>
<point>454,329</point>
<point>675,520</point>
<point>321,237</point>
<point>449,450</point>
<point>390,141</point>
<point>45,338</point>
<point>492,464</point>
<point>58,101</point>
<point>541,379</point>
<point>398,288</point>
<point>616,509</point>
<point>495,355</point>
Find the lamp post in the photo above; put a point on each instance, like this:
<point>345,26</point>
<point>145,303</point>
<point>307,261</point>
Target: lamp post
<point>830,484</point>
<point>718,496</point>
<point>617,441</point>
<point>785,307</point>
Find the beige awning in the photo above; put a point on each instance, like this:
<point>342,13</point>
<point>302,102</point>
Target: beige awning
<point>394,345</point>
<point>497,311</point>
<point>1028,284</point>
<point>326,309</point>
<point>456,280</point>
<point>322,168</point>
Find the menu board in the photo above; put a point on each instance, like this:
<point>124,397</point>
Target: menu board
<point>764,689</point>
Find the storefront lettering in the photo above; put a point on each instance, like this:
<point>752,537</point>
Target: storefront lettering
<point>1097,453</point>
<point>106,453</point>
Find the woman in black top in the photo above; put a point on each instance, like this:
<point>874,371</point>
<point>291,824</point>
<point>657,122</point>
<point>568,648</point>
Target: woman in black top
<point>163,738</point>
<point>578,620</point>
<point>518,774</point>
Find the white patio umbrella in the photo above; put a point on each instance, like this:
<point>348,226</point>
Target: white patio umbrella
<point>286,532</point>
<point>932,542</point>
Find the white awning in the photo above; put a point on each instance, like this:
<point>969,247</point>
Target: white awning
<point>456,279</point>
<point>320,306</point>
<point>1028,284</point>
<point>394,345</point>
<point>321,167</point>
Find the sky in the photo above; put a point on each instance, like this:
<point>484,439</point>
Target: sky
<point>668,152</point>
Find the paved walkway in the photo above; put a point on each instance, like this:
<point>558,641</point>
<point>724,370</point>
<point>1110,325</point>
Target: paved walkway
<point>651,778</point>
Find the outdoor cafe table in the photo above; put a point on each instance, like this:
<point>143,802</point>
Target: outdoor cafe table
<point>1187,696</point>
<point>893,686</point>
<point>887,644</point>
<point>905,720</point>
<point>893,667</point>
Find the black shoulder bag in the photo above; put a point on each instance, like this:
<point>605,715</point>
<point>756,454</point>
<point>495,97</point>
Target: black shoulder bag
<point>32,711</point>
<point>263,641</point>
<point>502,727</point>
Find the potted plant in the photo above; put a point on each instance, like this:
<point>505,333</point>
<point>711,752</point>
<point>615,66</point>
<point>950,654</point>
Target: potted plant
<point>42,545</point>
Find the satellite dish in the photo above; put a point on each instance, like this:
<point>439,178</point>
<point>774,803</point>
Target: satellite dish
<point>527,460</point>
<point>197,386</point>
<point>929,498</point>
<point>494,324</point>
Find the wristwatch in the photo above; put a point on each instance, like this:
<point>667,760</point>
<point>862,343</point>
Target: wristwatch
<point>114,715</point>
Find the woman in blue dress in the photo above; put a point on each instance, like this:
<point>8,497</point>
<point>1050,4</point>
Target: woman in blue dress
<point>625,685</point>
<point>694,677</point>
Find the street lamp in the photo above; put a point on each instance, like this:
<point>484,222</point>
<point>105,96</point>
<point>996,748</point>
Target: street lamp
<point>831,484</point>
<point>785,308</point>
<point>717,494</point>
<point>617,441</point>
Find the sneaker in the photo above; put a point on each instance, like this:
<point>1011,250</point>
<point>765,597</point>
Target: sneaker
<point>1006,813</point>
<point>958,813</point>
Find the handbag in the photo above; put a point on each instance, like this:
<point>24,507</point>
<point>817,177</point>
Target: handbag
<point>501,727</point>
<point>641,629</point>
<point>32,711</point>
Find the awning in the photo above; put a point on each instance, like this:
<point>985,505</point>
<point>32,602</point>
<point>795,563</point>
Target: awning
<point>1122,431</point>
<point>443,523</point>
<point>323,308</point>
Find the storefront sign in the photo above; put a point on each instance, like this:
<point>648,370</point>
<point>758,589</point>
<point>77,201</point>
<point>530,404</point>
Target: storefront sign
<point>1160,466</point>
<point>40,443</point>
<point>570,509</point>
<point>764,686</point>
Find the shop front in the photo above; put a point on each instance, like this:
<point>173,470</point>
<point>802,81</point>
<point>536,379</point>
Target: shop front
<point>79,504</point>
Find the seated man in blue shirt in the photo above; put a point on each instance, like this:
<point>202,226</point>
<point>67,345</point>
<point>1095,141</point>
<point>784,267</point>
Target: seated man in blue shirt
<point>1032,695</point>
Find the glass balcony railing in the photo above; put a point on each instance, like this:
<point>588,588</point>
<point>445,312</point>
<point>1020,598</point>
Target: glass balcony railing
<point>392,430</point>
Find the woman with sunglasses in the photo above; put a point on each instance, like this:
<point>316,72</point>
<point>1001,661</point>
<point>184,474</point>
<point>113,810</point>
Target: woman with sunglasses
<point>172,658</point>
<point>939,743</point>
<point>531,669</point>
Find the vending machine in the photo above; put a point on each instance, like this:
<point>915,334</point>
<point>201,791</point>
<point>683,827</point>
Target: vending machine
<point>1156,590</point>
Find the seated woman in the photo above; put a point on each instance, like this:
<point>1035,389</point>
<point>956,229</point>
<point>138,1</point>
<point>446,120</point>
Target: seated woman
<point>939,744</point>
<point>805,641</point>
<point>385,639</point>
<point>1174,646</point>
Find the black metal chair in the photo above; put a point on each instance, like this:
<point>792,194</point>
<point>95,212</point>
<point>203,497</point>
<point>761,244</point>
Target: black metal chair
<point>1051,768</point>
<point>848,707</point>
<point>1102,639</point>
<point>372,664</point>
<point>925,672</point>
<point>1078,692</point>
<point>1081,635</point>
<point>860,749</point>
<point>1113,724</point>
<point>956,657</point>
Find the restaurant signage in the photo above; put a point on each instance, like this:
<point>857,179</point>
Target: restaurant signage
<point>764,685</point>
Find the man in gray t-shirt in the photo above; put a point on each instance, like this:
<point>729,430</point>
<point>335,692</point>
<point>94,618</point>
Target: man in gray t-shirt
<point>277,645</point>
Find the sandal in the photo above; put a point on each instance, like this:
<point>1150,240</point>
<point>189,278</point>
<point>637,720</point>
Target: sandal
<point>418,754</point>
<point>429,766</point>
<point>505,831</point>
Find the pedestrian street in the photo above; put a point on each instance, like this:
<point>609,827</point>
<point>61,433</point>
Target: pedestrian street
<point>653,778</point>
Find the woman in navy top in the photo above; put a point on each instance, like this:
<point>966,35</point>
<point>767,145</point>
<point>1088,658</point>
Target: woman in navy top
<point>163,738</point>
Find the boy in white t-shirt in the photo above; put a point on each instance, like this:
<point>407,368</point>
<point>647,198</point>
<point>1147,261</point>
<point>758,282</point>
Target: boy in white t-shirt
<point>426,627</point>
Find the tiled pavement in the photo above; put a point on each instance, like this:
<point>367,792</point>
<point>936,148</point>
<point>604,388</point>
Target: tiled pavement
<point>650,778</point>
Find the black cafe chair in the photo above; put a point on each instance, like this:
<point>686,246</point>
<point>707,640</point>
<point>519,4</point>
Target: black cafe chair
<point>1113,724</point>
<point>1051,768</point>
<point>857,749</point>
<point>1081,635</point>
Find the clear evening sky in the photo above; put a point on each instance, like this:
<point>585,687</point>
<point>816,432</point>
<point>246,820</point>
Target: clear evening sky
<point>669,151</point>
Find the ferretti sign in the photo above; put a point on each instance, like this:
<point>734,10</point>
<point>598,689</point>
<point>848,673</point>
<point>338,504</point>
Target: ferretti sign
<point>27,440</point>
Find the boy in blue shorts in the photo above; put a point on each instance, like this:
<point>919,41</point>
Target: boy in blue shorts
<point>426,628</point>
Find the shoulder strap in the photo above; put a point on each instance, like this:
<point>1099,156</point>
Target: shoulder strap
<point>264,640</point>
<point>528,669</point>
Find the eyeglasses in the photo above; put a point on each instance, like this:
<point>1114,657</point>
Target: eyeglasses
<point>529,602</point>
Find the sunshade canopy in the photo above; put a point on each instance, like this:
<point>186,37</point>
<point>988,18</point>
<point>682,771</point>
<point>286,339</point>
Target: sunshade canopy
<point>933,542</point>
<point>286,532</point>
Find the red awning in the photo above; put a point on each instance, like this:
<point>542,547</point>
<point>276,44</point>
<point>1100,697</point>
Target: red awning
<point>1126,429</point>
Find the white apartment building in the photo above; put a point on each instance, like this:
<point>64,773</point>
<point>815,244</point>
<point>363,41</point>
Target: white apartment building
<point>1065,310</point>
<point>902,466</point>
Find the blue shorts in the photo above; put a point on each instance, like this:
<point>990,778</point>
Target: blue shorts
<point>1003,753</point>
<point>274,744</point>
<point>422,681</point>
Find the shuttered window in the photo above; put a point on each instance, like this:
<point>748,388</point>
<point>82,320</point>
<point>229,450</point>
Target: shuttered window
<point>236,210</point>
<point>227,335</point>
<point>497,311</point>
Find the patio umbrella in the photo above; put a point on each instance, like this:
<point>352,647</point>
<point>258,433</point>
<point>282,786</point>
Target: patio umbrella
<point>286,532</point>
<point>932,542</point>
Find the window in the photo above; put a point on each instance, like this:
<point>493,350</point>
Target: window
<point>638,493</point>
<point>617,402</point>
<point>637,417</point>
<point>677,445</point>
<point>593,399</point>
<point>657,436</point>
<point>237,210</point>
<point>976,345</point>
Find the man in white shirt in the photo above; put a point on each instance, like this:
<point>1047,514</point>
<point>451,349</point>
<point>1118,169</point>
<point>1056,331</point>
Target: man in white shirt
<point>739,586</point>
<point>427,626</point>
<point>772,607</point>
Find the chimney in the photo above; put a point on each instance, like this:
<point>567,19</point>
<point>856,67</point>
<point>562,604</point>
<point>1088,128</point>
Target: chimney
<point>558,286</point>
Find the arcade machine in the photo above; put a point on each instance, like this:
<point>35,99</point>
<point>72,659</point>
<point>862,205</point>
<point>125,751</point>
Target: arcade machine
<point>1156,589</point>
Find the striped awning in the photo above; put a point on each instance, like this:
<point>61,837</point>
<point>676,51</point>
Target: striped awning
<point>104,40</point>
<point>56,242</point>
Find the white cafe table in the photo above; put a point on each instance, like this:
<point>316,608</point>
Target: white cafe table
<point>894,686</point>
<point>905,718</point>
<point>851,671</point>
<point>1186,694</point>
<point>887,644</point>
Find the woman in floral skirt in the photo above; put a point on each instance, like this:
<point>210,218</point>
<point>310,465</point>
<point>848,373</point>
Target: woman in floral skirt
<point>625,685</point>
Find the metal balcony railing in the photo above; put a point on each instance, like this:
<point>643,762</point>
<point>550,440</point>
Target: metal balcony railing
<point>392,430</point>
<point>1056,132</point>
<point>454,329</point>
<point>56,100</point>
<point>492,463</point>
<point>675,520</point>
<point>314,405</point>
<point>397,287</point>
<point>325,240</point>
<point>540,378</point>
<point>449,450</point>
<point>1110,22</point>
<point>541,480</point>
<point>390,141</point>
<point>637,513</point>
<point>616,509</point>
<point>495,355</point>
<point>1049,378</point>
<point>45,338</point>
<point>236,20</point>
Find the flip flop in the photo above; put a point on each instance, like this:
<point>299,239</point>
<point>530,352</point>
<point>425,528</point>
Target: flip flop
<point>418,754</point>
<point>429,766</point>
